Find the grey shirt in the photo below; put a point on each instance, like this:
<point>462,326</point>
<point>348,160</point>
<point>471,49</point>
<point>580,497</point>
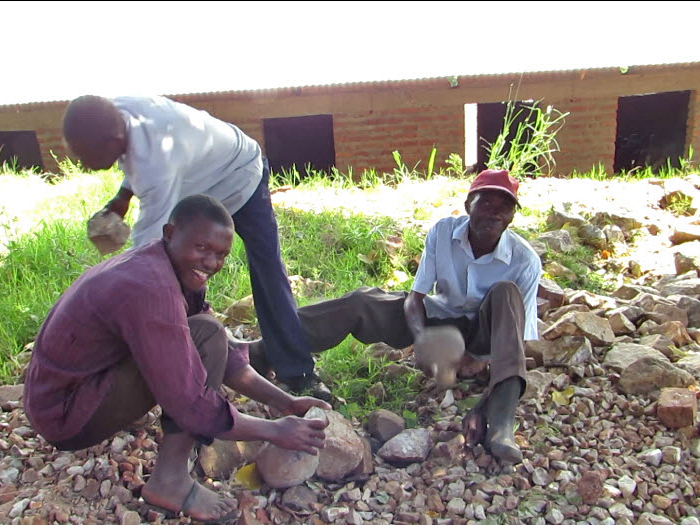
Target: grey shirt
<point>174,150</point>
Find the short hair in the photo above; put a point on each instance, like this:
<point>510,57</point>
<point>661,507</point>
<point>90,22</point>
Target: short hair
<point>200,205</point>
<point>89,119</point>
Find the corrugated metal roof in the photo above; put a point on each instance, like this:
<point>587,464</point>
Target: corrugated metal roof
<point>388,84</point>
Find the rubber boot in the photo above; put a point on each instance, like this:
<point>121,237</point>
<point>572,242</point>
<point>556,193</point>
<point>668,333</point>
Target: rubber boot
<point>500,414</point>
<point>256,354</point>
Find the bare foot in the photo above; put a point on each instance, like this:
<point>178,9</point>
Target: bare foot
<point>193,500</point>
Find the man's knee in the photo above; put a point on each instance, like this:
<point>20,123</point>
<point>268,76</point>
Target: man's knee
<point>506,289</point>
<point>210,338</point>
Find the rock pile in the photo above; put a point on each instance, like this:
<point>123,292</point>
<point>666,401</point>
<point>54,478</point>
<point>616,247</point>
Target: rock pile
<point>608,424</point>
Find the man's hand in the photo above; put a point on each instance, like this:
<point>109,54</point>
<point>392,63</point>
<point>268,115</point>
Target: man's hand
<point>300,405</point>
<point>120,203</point>
<point>295,433</point>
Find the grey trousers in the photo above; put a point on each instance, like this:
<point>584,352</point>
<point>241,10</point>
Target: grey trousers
<point>129,399</point>
<point>372,315</point>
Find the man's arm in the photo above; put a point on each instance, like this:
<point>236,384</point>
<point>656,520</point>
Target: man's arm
<point>120,203</point>
<point>247,381</point>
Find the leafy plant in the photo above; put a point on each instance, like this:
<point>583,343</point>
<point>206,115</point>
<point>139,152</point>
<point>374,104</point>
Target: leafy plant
<point>530,151</point>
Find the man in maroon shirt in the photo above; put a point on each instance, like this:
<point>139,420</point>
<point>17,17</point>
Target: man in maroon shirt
<point>134,331</point>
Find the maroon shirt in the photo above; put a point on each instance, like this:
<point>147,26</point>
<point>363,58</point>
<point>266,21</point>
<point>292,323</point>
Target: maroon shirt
<point>129,305</point>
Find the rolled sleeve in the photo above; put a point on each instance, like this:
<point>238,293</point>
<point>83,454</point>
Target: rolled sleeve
<point>163,350</point>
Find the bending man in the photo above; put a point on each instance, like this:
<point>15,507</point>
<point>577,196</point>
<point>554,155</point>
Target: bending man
<point>168,151</point>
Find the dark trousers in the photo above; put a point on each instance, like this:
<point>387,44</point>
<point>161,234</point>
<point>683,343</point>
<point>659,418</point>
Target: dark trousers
<point>129,398</point>
<point>285,346</point>
<point>372,315</point>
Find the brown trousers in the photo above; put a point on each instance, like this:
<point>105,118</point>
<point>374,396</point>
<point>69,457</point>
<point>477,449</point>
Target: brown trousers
<point>372,315</point>
<point>129,398</point>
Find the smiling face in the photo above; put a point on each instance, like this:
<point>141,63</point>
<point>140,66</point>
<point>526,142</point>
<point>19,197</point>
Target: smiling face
<point>490,213</point>
<point>197,249</point>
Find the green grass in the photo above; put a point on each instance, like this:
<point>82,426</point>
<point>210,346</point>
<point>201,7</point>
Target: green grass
<point>44,247</point>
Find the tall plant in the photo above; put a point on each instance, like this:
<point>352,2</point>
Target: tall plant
<point>531,150</point>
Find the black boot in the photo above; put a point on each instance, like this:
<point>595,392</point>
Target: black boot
<point>256,354</point>
<point>500,414</point>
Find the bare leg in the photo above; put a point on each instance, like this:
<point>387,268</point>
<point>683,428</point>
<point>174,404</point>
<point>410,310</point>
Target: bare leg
<point>170,483</point>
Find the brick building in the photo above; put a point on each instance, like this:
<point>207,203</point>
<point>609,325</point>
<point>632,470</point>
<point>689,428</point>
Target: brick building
<point>619,118</point>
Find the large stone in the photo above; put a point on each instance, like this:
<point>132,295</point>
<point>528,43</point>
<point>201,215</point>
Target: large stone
<point>558,241</point>
<point>550,290</point>
<point>592,300</point>
<point>282,468</point>
<point>107,231</point>
<point>536,348</point>
<point>299,498</point>
<point>558,218</point>
<point>383,424</point>
<point>658,342</point>
<point>630,291</point>
<point>673,330</point>
<point>652,373</point>
<point>689,287</point>
<point>677,407</point>
<point>220,459</point>
<point>691,364</point>
<point>585,324</point>
<point>620,324</point>
<point>555,315</point>
<point>691,307</point>
<point>569,350</point>
<point>666,312</point>
<point>593,236</point>
<point>648,301</point>
<point>343,449</point>
<point>538,384</point>
<point>686,258</point>
<point>410,446</point>
<point>685,233</point>
<point>366,465</point>
<point>11,394</point>
<point>622,355</point>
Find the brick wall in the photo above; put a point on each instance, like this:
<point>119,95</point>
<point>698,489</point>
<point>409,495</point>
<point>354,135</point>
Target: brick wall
<point>373,119</point>
<point>588,135</point>
<point>367,139</point>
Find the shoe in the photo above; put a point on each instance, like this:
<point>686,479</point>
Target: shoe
<point>500,413</point>
<point>256,354</point>
<point>308,384</point>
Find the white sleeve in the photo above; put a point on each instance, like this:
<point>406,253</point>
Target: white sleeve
<point>528,284</point>
<point>427,273</point>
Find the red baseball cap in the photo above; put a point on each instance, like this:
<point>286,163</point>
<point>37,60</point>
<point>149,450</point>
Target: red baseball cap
<point>495,180</point>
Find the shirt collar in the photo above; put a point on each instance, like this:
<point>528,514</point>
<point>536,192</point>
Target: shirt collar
<point>504,248</point>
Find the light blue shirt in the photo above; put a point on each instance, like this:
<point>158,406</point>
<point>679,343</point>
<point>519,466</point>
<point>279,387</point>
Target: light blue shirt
<point>460,282</point>
<point>174,150</point>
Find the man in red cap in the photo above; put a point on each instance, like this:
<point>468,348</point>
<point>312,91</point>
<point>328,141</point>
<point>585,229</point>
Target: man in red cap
<point>476,275</point>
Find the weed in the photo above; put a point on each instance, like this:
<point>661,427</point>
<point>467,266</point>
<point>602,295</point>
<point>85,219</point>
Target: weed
<point>530,151</point>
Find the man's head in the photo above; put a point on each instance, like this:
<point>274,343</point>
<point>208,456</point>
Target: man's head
<point>491,204</point>
<point>95,131</point>
<point>198,238</point>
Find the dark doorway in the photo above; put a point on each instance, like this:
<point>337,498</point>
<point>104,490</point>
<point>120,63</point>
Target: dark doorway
<point>20,149</point>
<point>651,130</point>
<point>301,142</point>
<point>489,123</point>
